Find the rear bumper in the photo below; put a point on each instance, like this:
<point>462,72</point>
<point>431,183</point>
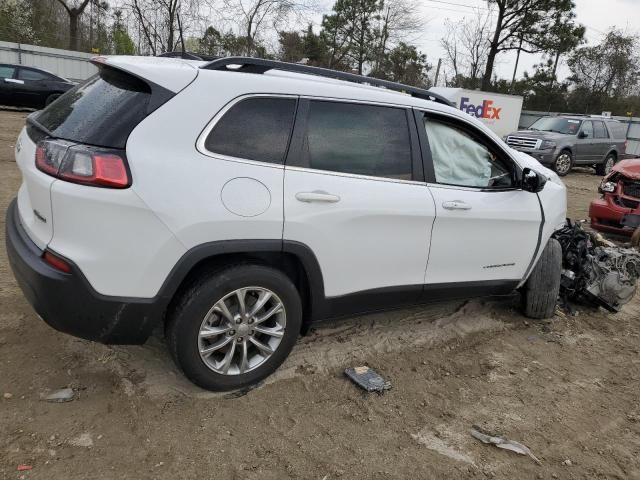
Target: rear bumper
<point>68,303</point>
<point>606,216</point>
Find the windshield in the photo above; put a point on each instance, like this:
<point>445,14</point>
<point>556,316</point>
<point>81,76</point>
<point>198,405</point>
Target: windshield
<point>557,124</point>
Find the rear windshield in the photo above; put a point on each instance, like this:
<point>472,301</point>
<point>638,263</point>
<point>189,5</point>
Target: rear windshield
<point>102,111</point>
<point>567,126</point>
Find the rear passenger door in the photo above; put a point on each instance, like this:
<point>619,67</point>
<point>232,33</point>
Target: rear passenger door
<point>33,89</point>
<point>354,193</point>
<point>601,142</point>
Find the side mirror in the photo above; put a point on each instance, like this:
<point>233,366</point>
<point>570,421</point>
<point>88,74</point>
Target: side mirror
<point>583,134</point>
<point>532,181</point>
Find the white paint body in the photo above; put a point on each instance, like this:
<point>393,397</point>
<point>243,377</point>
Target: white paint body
<point>510,107</point>
<point>380,233</point>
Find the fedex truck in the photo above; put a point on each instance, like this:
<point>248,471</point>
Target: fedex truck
<point>501,113</point>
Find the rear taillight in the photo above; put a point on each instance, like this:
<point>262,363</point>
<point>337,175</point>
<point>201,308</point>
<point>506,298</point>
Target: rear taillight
<point>83,164</point>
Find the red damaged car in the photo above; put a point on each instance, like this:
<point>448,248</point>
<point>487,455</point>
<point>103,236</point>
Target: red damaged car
<point>618,210</point>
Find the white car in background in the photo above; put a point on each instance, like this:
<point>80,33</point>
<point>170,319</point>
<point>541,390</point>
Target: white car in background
<point>238,200</point>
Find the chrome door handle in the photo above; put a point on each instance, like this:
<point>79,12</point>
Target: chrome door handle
<point>13,80</point>
<point>456,205</point>
<point>317,196</point>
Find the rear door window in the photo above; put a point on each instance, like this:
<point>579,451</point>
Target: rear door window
<point>33,75</point>
<point>6,71</point>
<point>599,130</point>
<point>254,129</point>
<point>103,111</point>
<point>358,139</point>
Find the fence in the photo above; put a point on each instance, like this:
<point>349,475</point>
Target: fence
<point>527,117</point>
<point>64,63</point>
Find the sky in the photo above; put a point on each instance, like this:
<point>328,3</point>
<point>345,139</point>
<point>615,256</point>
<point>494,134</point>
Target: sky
<point>597,15</point>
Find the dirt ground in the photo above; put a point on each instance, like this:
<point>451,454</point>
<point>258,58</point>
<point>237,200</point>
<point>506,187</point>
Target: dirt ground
<point>568,388</point>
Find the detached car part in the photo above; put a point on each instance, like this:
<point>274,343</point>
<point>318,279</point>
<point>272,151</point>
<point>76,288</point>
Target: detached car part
<point>606,276</point>
<point>618,210</point>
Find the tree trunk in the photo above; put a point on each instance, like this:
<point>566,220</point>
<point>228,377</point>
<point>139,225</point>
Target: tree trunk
<point>170,33</point>
<point>74,16</point>
<point>73,31</point>
<point>555,64</point>
<point>493,51</point>
<point>488,72</point>
<point>515,68</point>
<point>361,46</point>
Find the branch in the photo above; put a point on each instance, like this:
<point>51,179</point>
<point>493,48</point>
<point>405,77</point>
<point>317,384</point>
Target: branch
<point>66,7</point>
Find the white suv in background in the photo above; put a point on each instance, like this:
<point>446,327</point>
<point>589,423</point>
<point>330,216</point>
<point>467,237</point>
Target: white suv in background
<point>236,201</point>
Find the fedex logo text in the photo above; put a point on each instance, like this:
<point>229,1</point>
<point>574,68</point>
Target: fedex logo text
<point>485,110</point>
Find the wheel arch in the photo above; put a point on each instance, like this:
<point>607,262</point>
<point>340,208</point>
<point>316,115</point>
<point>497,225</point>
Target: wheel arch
<point>294,259</point>
<point>567,148</point>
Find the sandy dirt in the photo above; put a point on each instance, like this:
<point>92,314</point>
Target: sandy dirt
<point>568,388</point>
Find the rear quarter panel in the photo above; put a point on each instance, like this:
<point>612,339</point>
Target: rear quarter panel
<point>183,186</point>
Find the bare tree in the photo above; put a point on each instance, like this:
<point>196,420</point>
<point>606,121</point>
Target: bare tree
<point>74,11</point>
<point>163,22</point>
<point>254,16</point>
<point>451,45</point>
<point>397,22</point>
<point>466,45</point>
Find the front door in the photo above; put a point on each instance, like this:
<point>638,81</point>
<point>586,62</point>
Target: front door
<point>586,149</point>
<point>486,229</point>
<point>355,195</point>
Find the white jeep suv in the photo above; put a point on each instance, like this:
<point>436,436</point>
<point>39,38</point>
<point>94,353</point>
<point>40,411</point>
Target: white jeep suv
<point>236,201</point>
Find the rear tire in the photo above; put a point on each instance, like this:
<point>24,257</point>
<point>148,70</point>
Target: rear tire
<point>605,167</point>
<point>540,292</point>
<point>563,163</point>
<point>188,321</point>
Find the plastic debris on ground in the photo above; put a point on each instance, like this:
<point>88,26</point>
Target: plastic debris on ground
<point>504,443</point>
<point>60,396</point>
<point>596,270</point>
<point>367,379</point>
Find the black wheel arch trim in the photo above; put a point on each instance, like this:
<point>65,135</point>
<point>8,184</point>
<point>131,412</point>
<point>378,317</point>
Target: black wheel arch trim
<point>208,251</point>
<point>320,306</point>
<point>69,303</point>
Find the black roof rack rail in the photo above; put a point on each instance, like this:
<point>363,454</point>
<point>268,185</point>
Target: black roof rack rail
<point>260,65</point>
<point>188,56</point>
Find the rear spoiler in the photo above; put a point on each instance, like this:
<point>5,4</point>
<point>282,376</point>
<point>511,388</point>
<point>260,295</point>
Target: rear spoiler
<point>159,94</point>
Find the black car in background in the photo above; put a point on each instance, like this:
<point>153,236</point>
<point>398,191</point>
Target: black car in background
<point>22,86</point>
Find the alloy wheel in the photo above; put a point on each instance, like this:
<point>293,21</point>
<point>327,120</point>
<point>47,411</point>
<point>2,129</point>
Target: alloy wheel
<point>563,164</point>
<point>608,165</point>
<point>242,330</point>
